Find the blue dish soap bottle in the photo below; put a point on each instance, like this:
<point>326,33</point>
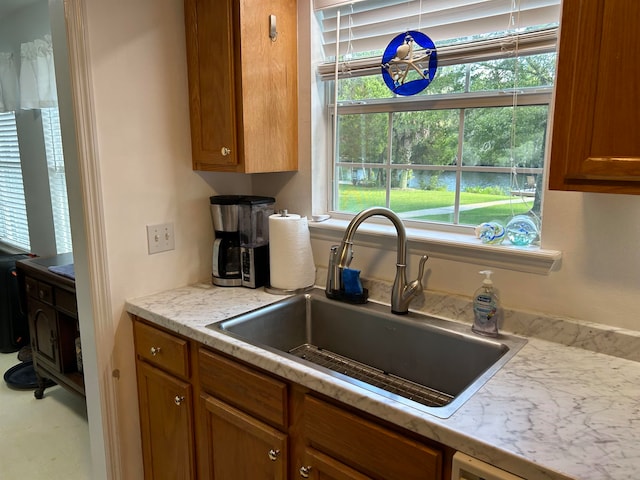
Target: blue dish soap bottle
<point>486,308</point>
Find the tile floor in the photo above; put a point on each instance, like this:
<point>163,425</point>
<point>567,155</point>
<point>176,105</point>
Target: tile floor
<point>45,439</point>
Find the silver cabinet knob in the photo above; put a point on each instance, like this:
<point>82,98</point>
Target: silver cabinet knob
<point>178,399</point>
<point>304,471</point>
<point>273,454</point>
<point>225,151</point>
<point>155,351</point>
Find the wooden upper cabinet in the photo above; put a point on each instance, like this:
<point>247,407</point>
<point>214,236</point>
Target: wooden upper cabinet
<point>596,144</point>
<point>243,84</point>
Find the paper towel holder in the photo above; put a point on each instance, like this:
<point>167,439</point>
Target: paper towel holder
<point>284,291</point>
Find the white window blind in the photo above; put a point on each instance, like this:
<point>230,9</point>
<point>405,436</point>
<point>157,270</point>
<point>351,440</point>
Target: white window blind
<point>371,24</point>
<point>57,179</point>
<point>529,43</point>
<point>14,228</point>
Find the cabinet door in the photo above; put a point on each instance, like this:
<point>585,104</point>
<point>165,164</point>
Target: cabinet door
<point>211,41</point>
<point>44,334</point>
<point>243,85</point>
<point>240,447</point>
<point>318,466</point>
<point>166,421</point>
<point>269,116</point>
<point>595,145</point>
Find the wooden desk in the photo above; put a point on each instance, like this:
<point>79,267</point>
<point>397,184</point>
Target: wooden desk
<point>50,302</point>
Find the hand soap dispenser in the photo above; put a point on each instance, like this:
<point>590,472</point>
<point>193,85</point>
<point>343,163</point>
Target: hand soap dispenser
<point>486,308</point>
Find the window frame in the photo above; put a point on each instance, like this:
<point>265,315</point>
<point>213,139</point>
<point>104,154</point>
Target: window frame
<point>455,101</point>
<point>438,240</point>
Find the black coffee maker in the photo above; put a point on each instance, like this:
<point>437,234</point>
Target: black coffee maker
<point>241,245</point>
<point>254,213</point>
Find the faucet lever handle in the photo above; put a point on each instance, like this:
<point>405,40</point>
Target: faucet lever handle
<point>423,260</point>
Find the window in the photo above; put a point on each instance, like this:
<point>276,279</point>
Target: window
<point>14,229</point>
<point>471,147</point>
<point>14,225</point>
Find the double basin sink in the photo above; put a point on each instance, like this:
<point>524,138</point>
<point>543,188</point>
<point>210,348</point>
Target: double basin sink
<point>428,363</point>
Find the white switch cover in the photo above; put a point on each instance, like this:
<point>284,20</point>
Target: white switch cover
<point>160,238</point>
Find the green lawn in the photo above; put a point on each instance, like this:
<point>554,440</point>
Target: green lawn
<point>354,199</point>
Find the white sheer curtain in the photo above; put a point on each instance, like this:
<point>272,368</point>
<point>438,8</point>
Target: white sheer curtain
<point>35,87</point>
<point>37,75</point>
<point>9,98</point>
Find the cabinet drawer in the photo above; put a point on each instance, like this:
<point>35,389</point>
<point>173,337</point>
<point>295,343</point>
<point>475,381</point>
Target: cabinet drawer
<point>369,448</point>
<point>253,392</point>
<point>162,349</point>
<point>31,287</point>
<point>66,301</point>
<point>44,292</point>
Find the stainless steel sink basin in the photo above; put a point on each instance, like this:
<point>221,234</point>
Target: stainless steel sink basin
<point>426,362</point>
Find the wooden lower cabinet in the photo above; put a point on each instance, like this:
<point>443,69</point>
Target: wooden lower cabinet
<point>166,417</point>
<point>166,401</point>
<point>205,415</point>
<point>240,447</point>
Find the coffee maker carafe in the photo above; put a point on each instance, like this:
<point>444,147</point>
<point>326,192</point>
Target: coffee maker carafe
<point>254,215</point>
<point>226,270</point>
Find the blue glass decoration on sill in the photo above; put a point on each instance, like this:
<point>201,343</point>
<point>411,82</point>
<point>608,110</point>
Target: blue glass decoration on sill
<point>490,232</point>
<point>522,230</point>
<point>407,71</point>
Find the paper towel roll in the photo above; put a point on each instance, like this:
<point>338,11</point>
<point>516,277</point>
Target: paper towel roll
<point>290,256</point>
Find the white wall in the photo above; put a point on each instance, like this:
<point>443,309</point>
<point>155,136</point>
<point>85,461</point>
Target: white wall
<point>138,61</point>
<point>140,88</point>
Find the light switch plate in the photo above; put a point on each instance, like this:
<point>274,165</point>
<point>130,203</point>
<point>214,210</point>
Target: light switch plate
<point>160,238</point>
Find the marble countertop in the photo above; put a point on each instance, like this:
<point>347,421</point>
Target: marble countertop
<point>552,412</point>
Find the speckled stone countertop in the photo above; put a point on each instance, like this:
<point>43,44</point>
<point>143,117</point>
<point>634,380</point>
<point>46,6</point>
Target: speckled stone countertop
<point>552,412</point>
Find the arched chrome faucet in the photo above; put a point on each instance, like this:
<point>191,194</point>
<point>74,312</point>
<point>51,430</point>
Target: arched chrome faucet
<point>340,258</point>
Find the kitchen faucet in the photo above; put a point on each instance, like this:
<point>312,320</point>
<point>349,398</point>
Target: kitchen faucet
<point>341,256</point>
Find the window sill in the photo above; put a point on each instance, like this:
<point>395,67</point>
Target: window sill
<point>450,246</point>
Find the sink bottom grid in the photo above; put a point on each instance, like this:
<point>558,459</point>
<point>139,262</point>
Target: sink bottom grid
<point>372,376</point>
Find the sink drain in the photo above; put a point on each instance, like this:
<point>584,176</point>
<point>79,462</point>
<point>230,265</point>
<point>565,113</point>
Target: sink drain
<point>372,376</point>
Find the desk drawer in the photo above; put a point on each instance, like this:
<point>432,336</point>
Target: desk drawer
<point>162,349</point>
<point>31,287</point>
<point>66,301</point>
<point>40,290</point>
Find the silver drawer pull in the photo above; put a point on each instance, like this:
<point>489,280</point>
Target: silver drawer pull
<point>178,399</point>
<point>155,351</point>
<point>273,454</point>
<point>304,471</point>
